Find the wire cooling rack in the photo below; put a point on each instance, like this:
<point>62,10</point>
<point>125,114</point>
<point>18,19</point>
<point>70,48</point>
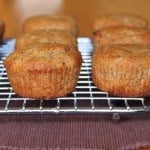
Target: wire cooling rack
<point>85,99</point>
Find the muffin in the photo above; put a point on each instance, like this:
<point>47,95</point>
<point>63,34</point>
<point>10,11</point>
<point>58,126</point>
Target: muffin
<point>122,70</point>
<point>122,35</point>
<point>46,36</point>
<point>2,29</point>
<point>50,22</point>
<point>44,70</point>
<point>119,20</point>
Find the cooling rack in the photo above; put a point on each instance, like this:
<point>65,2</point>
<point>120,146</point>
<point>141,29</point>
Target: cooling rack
<point>85,99</point>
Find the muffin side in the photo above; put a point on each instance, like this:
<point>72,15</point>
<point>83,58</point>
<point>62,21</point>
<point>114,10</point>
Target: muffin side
<point>122,70</point>
<point>43,71</point>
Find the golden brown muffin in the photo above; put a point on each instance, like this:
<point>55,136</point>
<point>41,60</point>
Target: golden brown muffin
<point>121,35</point>
<point>44,70</point>
<point>46,36</point>
<point>2,29</point>
<point>119,20</point>
<point>122,70</point>
<point>50,22</point>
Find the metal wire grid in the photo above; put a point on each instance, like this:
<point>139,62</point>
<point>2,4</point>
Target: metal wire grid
<point>85,99</point>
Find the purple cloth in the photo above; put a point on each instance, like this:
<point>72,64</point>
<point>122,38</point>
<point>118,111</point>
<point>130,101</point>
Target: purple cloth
<point>73,132</point>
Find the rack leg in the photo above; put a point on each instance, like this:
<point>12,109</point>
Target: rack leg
<point>116,117</point>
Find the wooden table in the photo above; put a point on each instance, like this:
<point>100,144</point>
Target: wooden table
<point>13,12</point>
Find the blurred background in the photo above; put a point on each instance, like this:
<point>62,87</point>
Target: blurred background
<point>13,12</point>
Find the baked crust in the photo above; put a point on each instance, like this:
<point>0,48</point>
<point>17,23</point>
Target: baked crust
<point>44,70</point>
<point>119,20</point>
<point>50,22</point>
<point>46,36</point>
<point>2,30</point>
<point>122,70</point>
<point>121,35</point>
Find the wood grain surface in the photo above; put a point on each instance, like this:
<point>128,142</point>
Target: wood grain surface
<point>13,12</point>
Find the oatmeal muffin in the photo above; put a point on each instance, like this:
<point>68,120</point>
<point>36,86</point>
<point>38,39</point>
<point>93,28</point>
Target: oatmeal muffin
<point>43,71</point>
<point>50,22</point>
<point>121,35</point>
<point>122,70</point>
<point>119,20</point>
<point>2,29</point>
<point>46,36</point>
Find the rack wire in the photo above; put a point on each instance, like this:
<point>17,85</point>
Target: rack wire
<point>86,99</point>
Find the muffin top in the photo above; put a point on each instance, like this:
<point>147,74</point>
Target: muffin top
<point>121,30</point>
<point>117,20</point>
<point>123,35</point>
<point>46,36</point>
<point>2,26</point>
<point>50,22</point>
<point>124,51</point>
<point>2,23</point>
<point>43,58</point>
